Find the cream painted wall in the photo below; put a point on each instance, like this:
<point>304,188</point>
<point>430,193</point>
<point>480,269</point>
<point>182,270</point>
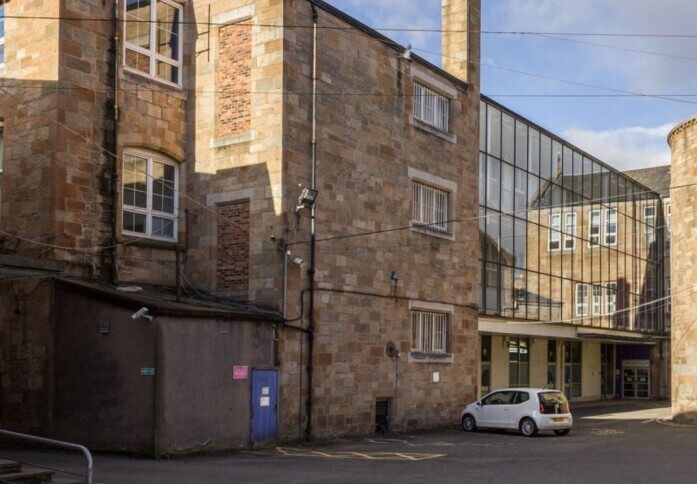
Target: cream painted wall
<point>538,363</point>
<point>499,363</point>
<point>590,387</point>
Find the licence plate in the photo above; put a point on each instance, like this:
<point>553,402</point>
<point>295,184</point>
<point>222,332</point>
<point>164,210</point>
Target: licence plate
<point>558,420</point>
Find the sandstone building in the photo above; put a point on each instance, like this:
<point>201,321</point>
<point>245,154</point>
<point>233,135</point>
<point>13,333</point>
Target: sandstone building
<point>154,152</point>
<point>683,143</point>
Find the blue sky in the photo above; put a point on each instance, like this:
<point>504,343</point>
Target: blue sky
<point>625,132</point>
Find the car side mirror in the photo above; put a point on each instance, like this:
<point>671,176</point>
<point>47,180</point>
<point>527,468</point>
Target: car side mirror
<point>480,403</point>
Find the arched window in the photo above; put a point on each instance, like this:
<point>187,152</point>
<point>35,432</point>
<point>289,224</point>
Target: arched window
<point>150,195</point>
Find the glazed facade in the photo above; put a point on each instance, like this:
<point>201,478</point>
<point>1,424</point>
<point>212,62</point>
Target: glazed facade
<point>565,238</point>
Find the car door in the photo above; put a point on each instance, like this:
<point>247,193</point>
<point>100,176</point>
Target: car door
<point>495,409</point>
<point>521,401</point>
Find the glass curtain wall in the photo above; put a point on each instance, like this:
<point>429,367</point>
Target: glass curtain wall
<point>564,237</point>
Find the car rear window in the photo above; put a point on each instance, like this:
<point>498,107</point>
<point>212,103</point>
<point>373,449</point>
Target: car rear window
<point>554,402</point>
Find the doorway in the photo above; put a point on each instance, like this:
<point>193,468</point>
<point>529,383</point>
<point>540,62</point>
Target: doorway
<point>264,405</point>
<point>636,379</point>
<point>573,369</point>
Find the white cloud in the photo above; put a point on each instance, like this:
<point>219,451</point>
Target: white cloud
<point>625,148</point>
<point>639,71</point>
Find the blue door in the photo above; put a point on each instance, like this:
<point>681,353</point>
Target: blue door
<point>264,405</point>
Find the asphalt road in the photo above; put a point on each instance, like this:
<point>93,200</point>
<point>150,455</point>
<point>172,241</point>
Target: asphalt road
<point>618,443</point>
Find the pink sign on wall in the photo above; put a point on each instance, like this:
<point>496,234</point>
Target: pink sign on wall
<point>240,372</point>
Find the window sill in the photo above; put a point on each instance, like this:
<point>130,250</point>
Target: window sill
<point>434,131</point>
<point>235,139</point>
<point>145,241</point>
<point>175,89</point>
<point>424,229</point>
<point>440,358</point>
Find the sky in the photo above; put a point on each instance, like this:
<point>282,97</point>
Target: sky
<point>626,132</point>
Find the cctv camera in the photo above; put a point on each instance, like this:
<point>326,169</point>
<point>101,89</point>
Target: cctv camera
<point>142,313</point>
<point>298,261</point>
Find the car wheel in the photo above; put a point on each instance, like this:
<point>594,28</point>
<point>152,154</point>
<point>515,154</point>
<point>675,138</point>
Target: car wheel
<point>468,423</point>
<point>528,427</point>
<point>562,432</point>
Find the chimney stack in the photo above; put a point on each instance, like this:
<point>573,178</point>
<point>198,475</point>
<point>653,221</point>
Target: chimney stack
<point>461,23</point>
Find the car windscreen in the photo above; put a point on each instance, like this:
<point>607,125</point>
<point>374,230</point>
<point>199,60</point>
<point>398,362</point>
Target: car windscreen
<point>554,402</point>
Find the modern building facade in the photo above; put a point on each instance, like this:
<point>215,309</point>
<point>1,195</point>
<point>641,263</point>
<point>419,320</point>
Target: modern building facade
<point>171,145</point>
<point>572,255</point>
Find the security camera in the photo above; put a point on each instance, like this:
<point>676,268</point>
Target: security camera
<point>298,261</point>
<point>142,313</point>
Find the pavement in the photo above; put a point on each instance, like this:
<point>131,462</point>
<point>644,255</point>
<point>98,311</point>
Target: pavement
<point>613,442</point>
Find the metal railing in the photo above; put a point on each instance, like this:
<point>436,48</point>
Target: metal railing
<point>59,444</point>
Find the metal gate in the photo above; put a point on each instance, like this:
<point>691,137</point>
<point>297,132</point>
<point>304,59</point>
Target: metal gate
<point>264,405</point>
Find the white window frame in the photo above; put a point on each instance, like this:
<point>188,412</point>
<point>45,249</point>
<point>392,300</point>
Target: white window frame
<point>610,299</point>
<point>152,53</point>
<point>430,332</point>
<point>431,207</point>
<point>607,232</point>
<point>594,240</point>
<point>570,231</point>
<point>581,299</point>
<point>649,224</point>
<point>596,300</point>
<point>2,39</point>
<point>554,231</point>
<point>2,145</point>
<point>431,107</point>
<point>148,210</point>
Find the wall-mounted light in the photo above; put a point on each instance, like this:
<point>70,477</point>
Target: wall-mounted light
<point>307,198</point>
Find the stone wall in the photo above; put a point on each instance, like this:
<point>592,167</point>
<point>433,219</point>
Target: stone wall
<point>370,151</point>
<point>683,143</point>
<point>25,346</point>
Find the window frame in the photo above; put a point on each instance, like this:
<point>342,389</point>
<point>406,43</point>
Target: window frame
<point>2,37</point>
<point>555,234</point>
<point>608,285</point>
<point>607,233</point>
<point>649,228</point>
<point>419,321</point>
<point>151,52</point>
<point>148,211</point>
<point>598,237</point>
<point>597,299</point>
<point>422,93</point>
<point>570,237</point>
<point>417,213</point>
<point>581,305</point>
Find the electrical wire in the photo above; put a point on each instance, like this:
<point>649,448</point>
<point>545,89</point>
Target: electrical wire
<point>115,156</point>
<point>383,29</point>
<point>469,219</point>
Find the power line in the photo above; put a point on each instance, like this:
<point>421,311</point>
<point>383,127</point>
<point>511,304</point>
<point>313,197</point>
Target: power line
<point>525,210</point>
<point>621,48</point>
<point>165,89</point>
<point>115,156</point>
<point>377,28</point>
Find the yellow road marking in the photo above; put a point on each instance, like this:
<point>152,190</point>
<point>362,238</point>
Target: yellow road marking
<point>397,456</point>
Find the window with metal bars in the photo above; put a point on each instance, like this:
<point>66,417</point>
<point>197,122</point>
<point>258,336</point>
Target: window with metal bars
<point>429,332</point>
<point>431,107</point>
<point>431,207</point>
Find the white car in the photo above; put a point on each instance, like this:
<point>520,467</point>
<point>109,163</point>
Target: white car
<point>526,409</point>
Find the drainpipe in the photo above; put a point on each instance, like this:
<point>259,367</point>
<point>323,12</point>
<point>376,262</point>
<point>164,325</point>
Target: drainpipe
<point>114,144</point>
<point>311,270</point>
